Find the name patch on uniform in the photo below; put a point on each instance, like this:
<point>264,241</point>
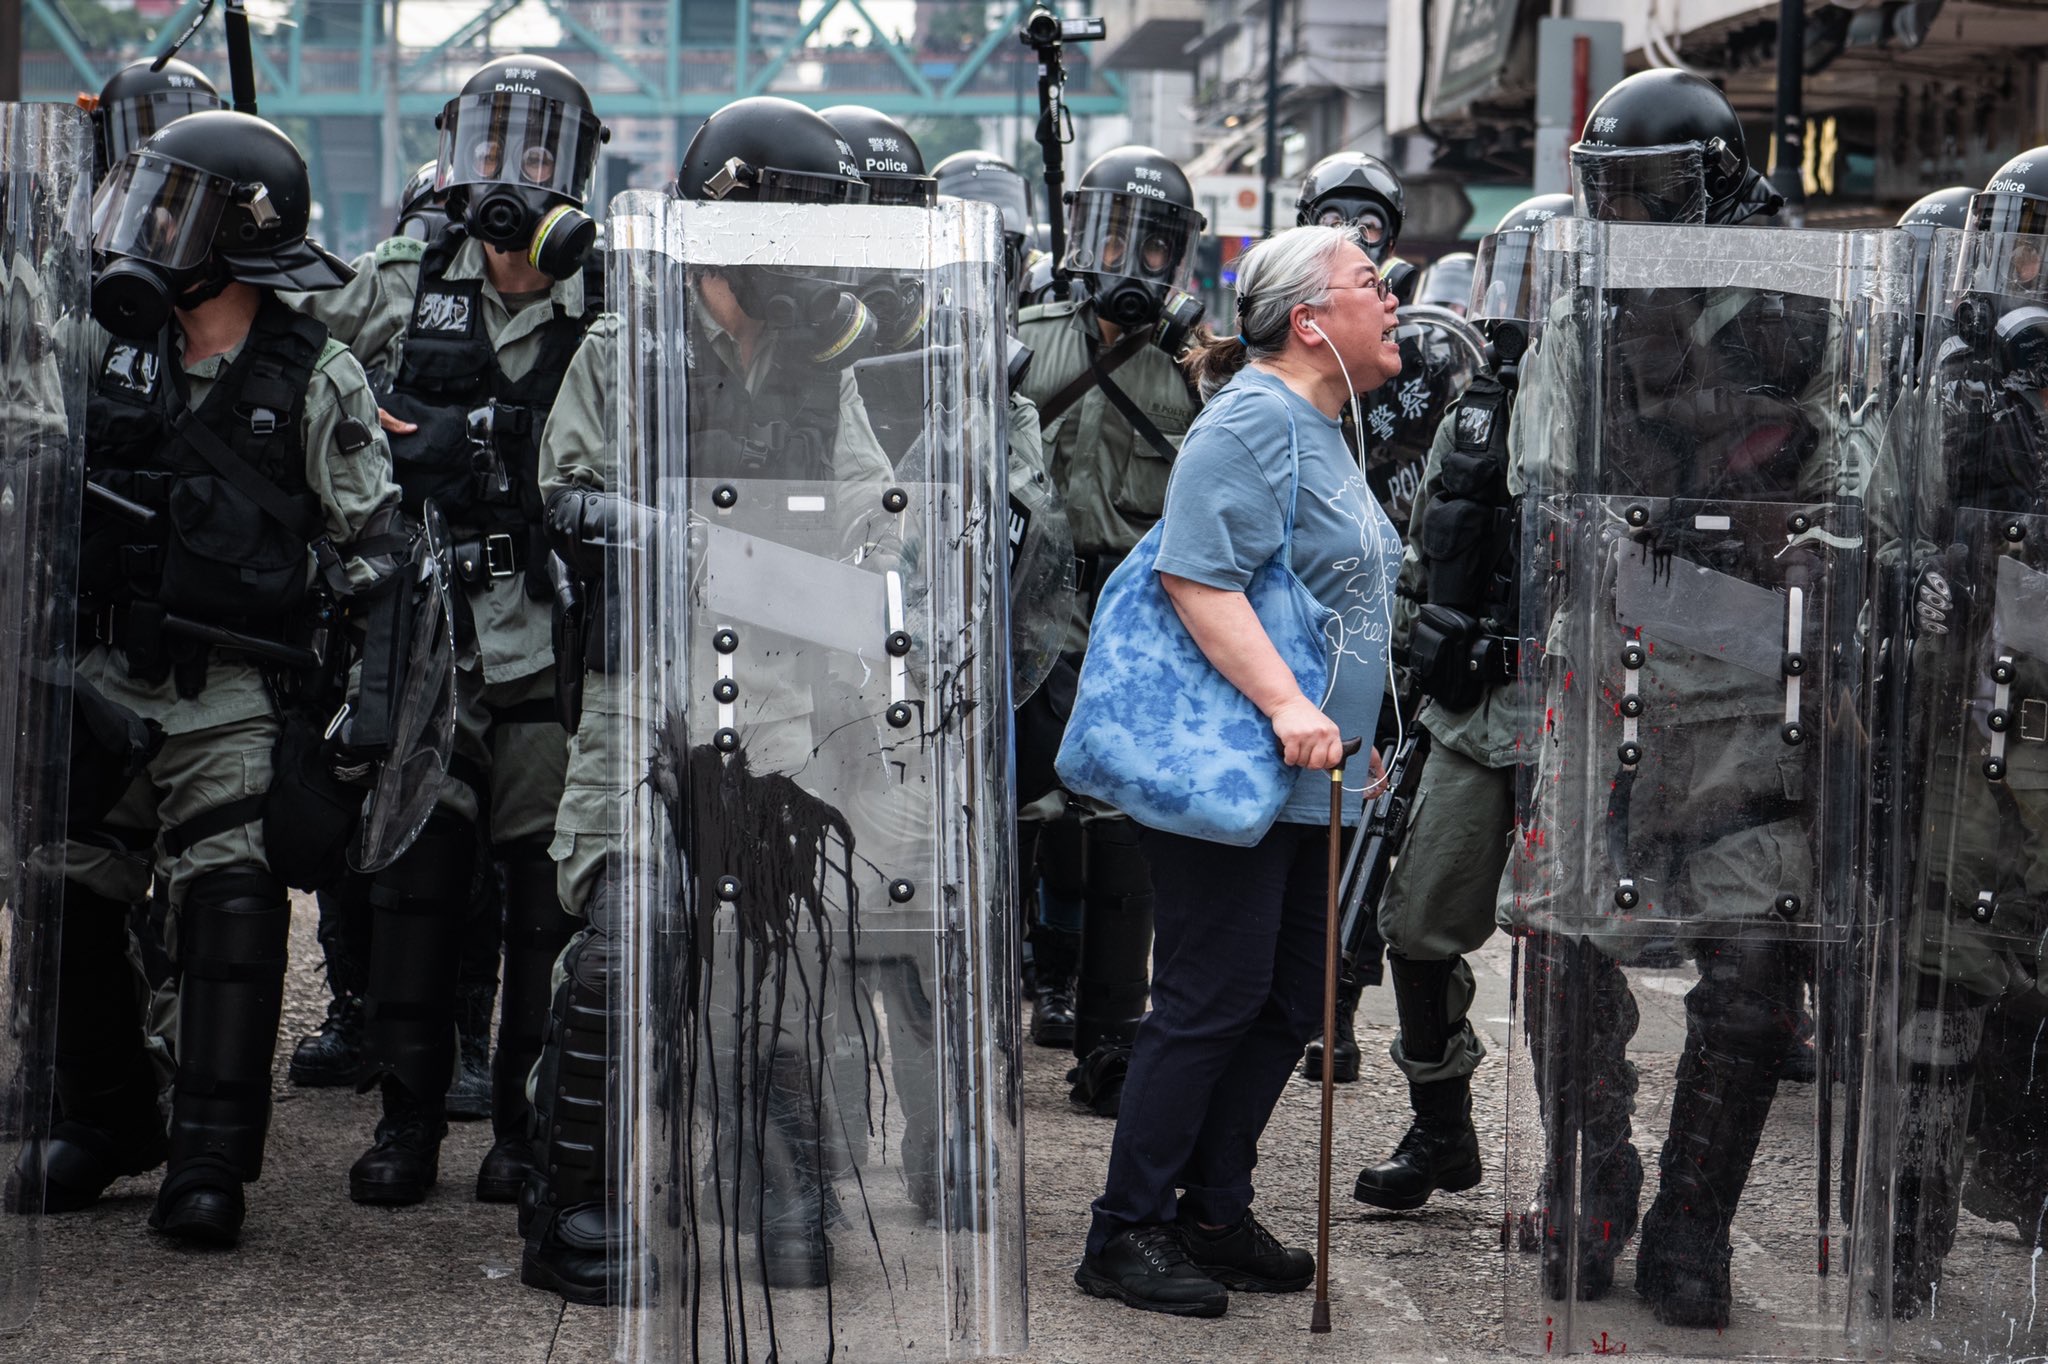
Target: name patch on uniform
<point>444,310</point>
<point>1475,426</point>
<point>131,367</point>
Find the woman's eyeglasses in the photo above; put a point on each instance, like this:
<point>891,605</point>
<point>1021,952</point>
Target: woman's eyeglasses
<point>1378,286</point>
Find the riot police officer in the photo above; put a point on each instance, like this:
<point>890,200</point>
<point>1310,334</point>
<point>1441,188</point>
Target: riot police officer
<point>1456,607</point>
<point>1114,405</point>
<point>468,337</point>
<point>235,443</point>
<point>987,178</point>
<point>139,99</point>
<point>1721,443</point>
<point>762,352</point>
<point>1966,516</point>
<point>422,204</point>
<point>1362,192</point>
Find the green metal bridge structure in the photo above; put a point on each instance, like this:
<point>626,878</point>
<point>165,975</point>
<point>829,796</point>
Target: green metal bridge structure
<point>326,73</point>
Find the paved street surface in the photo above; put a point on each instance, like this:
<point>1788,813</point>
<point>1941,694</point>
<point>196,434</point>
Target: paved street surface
<point>319,1279</point>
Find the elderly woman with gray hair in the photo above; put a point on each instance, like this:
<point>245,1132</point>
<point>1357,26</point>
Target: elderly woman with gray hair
<point>1238,957</point>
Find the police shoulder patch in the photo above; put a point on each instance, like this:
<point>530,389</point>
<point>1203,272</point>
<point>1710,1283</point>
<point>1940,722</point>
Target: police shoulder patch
<point>132,367</point>
<point>330,352</point>
<point>403,250</point>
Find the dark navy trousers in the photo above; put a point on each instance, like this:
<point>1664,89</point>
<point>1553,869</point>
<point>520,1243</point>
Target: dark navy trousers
<point>1237,992</point>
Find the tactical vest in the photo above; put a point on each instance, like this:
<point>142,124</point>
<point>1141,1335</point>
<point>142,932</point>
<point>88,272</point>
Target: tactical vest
<point>210,518</point>
<point>1462,639</point>
<point>785,429</point>
<point>478,445</point>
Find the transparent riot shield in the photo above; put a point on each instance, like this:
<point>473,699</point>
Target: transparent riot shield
<point>45,169</point>
<point>820,1107</point>
<point>1440,353</point>
<point>1698,424</point>
<point>1961,1159</point>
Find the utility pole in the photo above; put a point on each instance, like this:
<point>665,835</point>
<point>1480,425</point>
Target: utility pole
<point>1270,163</point>
<point>12,44</point>
<point>1790,130</point>
<point>394,146</point>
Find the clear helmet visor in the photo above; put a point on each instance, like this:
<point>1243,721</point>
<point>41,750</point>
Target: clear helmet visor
<point>913,191</point>
<point>1006,192</point>
<point>2012,214</point>
<point>526,141</point>
<point>128,123</point>
<point>154,209</point>
<point>1664,184</point>
<point>2010,267</point>
<point>1122,234</point>
<point>1504,279</point>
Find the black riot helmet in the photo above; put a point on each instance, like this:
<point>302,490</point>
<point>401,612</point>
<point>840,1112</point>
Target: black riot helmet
<point>985,178</point>
<point>1665,146</point>
<point>2006,265</point>
<point>137,100</point>
<point>214,198</point>
<point>1505,297</point>
<point>1131,233</point>
<point>519,147</point>
<point>2015,199</point>
<point>1944,208</point>
<point>1351,189</point>
<point>886,153</point>
<point>422,209</point>
<point>765,149</point>
<point>1446,282</point>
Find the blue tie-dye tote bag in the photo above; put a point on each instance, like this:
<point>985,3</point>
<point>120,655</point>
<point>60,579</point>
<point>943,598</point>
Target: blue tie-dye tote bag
<point>1157,732</point>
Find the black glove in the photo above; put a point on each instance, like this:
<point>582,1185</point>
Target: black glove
<point>581,525</point>
<point>1938,598</point>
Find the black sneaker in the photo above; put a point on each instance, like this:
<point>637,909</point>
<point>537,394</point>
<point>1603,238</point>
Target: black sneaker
<point>1147,1267</point>
<point>1247,1257</point>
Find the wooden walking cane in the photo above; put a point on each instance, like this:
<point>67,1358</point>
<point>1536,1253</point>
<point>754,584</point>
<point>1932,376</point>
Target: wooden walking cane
<point>1319,1318</point>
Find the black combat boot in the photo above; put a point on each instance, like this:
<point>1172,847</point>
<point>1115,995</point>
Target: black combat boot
<point>1055,954</point>
<point>107,1122</point>
<point>1344,1056</point>
<point>332,1055</point>
<point>419,908</point>
<point>405,1159</point>
<point>1939,1039</point>
<point>1580,1016</point>
<point>536,931</point>
<point>1060,869</point>
<point>1740,1021</point>
<point>476,1000</point>
<point>231,953</point>
<point>565,1209</point>
<point>1440,1149</point>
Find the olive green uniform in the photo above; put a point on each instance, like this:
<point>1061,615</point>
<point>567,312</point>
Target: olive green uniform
<point>218,744</point>
<point>524,757</point>
<point>578,451</point>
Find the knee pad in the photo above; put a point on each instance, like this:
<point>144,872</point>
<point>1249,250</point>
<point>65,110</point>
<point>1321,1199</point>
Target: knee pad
<point>419,907</point>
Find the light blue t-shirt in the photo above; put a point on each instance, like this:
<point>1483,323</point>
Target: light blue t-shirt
<point>1226,515</point>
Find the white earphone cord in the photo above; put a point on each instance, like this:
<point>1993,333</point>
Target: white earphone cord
<point>1358,425</point>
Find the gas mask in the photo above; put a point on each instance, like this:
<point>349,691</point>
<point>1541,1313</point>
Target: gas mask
<point>556,237</point>
<point>825,323</point>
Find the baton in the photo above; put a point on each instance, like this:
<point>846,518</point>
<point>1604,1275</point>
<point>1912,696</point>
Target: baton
<point>289,655</point>
<point>1319,1318</point>
<point>126,508</point>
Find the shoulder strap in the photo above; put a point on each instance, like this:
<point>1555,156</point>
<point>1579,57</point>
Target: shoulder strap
<point>1098,371</point>
<point>230,466</point>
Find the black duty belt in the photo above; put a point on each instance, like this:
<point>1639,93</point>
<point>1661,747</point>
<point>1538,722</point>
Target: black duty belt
<point>498,554</point>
